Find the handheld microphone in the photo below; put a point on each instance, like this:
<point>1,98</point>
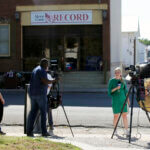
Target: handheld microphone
<point>119,84</point>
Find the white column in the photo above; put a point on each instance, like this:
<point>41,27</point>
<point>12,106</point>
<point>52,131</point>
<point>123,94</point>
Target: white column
<point>115,35</point>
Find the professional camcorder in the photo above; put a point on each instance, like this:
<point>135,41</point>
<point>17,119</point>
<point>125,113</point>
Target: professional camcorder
<point>134,72</point>
<point>54,98</point>
<point>141,70</point>
<point>54,68</point>
<point>140,78</point>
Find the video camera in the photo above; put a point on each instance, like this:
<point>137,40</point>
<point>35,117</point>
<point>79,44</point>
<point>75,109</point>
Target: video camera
<point>140,74</point>
<point>54,68</point>
<point>141,70</point>
<point>134,73</point>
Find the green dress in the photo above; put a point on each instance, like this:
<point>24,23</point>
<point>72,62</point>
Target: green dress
<point>118,96</point>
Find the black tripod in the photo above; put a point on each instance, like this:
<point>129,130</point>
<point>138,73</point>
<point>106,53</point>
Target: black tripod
<point>49,109</point>
<point>132,88</point>
<point>58,95</point>
<point>132,100</point>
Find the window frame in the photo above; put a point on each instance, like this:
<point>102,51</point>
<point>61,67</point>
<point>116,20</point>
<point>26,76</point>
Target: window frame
<point>8,54</point>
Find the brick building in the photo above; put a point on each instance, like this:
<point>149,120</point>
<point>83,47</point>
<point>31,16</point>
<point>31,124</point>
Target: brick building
<point>24,39</point>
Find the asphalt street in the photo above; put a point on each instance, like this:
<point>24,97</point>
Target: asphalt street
<point>82,109</point>
<point>90,117</point>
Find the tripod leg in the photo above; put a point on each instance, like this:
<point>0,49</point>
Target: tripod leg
<point>121,111</point>
<point>67,119</point>
<point>131,114</point>
<point>145,111</point>
<point>147,115</point>
<point>50,118</point>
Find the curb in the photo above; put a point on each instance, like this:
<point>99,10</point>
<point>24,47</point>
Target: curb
<point>63,91</point>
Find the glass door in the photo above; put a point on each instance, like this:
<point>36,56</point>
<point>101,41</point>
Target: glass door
<point>71,53</point>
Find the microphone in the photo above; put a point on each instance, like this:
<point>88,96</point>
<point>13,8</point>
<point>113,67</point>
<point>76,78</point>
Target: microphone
<point>119,84</point>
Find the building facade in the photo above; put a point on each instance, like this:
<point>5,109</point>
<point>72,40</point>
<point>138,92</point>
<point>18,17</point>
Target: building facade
<point>133,52</point>
<point>70,31</point>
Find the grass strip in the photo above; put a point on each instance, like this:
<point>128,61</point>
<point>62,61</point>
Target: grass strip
<point>27,143</point>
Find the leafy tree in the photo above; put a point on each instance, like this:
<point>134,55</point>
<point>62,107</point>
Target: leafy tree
<point>145,41</point>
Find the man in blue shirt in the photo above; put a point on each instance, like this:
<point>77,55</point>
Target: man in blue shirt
<point>38,94</point>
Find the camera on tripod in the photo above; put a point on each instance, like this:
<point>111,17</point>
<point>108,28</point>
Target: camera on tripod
<point>134,71</point>
<point>141,71</point>
<point>54,68</point>
<point>140,80</point>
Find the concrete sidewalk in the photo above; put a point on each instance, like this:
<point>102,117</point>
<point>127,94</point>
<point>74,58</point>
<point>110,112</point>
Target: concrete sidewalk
<point>93,138</point>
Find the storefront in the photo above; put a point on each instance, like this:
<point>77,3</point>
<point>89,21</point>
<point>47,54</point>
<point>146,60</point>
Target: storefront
<point>71,45</point>
<point>73,37</point>
<point>77,35</point>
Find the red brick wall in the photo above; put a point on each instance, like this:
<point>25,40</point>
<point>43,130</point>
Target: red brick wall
<point>14,62</point>
<point>7,12</point>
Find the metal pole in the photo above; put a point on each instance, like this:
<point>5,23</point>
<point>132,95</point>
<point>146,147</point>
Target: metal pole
<point>25,108</point>
<point>134,57</point>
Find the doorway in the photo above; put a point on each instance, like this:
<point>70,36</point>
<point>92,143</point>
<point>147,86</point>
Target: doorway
<point>71,53</point>
<point>75,47</point>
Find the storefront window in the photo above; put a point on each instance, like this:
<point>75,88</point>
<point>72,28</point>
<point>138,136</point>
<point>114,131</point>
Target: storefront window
<point>75,47</point>
<point>4,40</point>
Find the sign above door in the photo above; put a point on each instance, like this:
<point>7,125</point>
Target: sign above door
<point>61,17</point>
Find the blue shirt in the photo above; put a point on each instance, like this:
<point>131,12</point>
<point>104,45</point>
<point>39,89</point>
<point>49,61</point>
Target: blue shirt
<point>37,87</point>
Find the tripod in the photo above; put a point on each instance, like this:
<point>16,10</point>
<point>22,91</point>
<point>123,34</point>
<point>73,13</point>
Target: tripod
<point>132,88</point>
<point>58,95</point>
<point>132,100</point>
<point>49,111</point>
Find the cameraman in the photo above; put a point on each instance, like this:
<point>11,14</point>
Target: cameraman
<point>117,89</point>
<point>38,94</point>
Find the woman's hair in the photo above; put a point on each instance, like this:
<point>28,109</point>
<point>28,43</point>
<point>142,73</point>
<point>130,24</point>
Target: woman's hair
<point>118,69</point>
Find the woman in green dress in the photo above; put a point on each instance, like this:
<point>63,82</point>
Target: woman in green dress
<point>117,89</point>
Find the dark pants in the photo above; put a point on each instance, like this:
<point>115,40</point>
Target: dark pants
<point>1,111</point>
<point>38,102</point>
<point>50,117</point>
<point>49,110</point>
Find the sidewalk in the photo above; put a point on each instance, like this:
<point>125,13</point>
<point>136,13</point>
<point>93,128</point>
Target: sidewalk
<point>67,90</point>
<point>93,138</point>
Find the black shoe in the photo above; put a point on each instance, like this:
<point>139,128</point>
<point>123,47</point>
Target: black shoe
<point>30,134</point>
<point>46,134</point>
<point>2,133</point>
<point>51,127</point>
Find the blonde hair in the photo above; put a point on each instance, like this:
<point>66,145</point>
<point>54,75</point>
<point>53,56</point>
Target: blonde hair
<point>118,69</point>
